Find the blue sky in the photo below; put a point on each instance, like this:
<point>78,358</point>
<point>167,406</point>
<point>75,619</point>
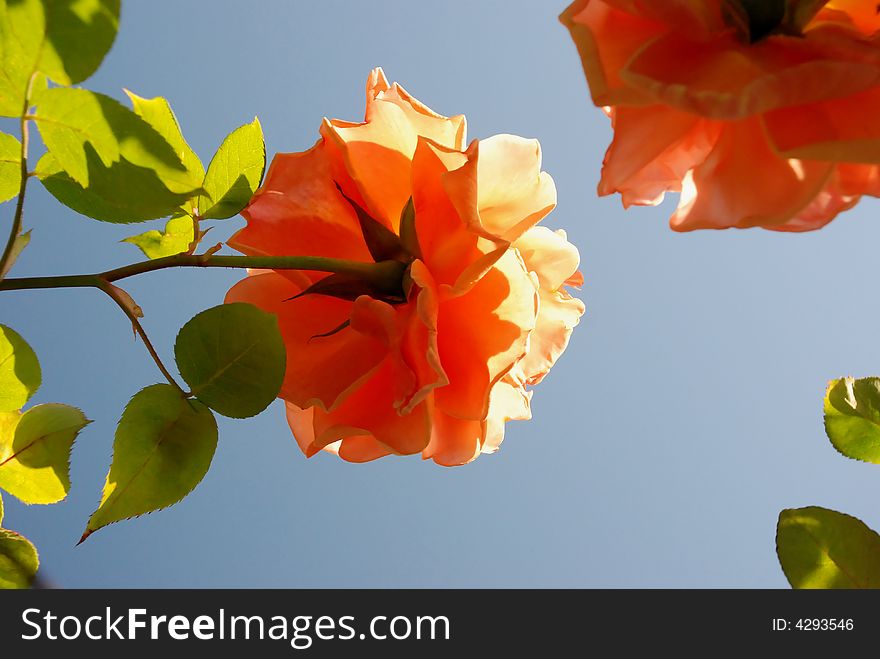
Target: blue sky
<point>685,415</point>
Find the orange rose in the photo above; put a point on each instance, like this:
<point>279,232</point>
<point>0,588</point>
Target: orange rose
<point>760,112</point>
<point>483,314</point>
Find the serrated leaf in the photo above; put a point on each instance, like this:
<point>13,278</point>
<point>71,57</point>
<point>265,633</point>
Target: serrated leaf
<point>73,120</point>
<point>162,450</point>
<point>20,374</point>
<point>18,560</point>
<point>78,36</point>
<point>821,548</point>
<point>10,167</point>
<point>121,193</point>
<point>157,112</point>
<point>176,238</point>
<point>852,417</point>
<point>235,173</point>
<point>65,40</point>
<point>21,241</point>
<point>233,358</point>
<point>35,452</point>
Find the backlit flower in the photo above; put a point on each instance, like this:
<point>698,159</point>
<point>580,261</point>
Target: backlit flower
<point>483,312</point>
<point>760,112</point>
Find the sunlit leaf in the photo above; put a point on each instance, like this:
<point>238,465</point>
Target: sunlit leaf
<point>852,417</point>
<point>22,31</point>
<point>157,113</point>
<point>121,193</point>
<point>64,39</point>
<point>176,238</point>
<point>20,374</point>
<point>79,35</point>
<point>163,448</point>
<point>10,167</point>
<point>821,548</point>
<point>73,122</point>
<point>18,560</point>
<point>35,452</point>
<point>235,172</point>
<point>233,358</point>
<point>1,508</point>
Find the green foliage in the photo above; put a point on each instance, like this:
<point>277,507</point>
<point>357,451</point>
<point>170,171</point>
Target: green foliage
<point>79,34</point>
<point>176,238</point>
<point>35,451</point>
<point>18,560</point>
<point>233,358</point>
<point>163,448</point>
<point>121,193</point>
<point>235,172</point>
<point>62,39</point>
<point>852,417</point>
<point>157,113</point>
<point>10,167</point>
<point>74,121</point>
<point>20,374</point>
<point>113,164</point>
<point>821,548</point>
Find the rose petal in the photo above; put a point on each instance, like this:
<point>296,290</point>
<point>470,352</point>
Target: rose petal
<point>726,79</point>
<point>842,191</point>
<point>454,441</point>
<point>860,13</point>
<point>308,380</point>
<point>554,260</point>
<point>513,193</point>
<point>509,401</point>
<point>743,183</point>
<point>606,39</point>
<point>482,334</point>
<point>841,130</point>
<point>653,148</point>
<point>299,212</point>
<point>377,153</point>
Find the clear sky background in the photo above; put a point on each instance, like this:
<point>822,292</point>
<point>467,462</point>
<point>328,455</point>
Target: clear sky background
<point>685,415</point>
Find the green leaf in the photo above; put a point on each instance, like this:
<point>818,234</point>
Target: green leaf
<point>852,417</point>
<point>22,32</point>
<point>157,113</point>
<point>175,239</point>
<point>121,193</point>
<point>233,358</point>
<point>18,560</point>
<point>235,172</point>
<point>73,121</point>
<point>10,167</point>
<point>20,374</point>
<point>21,241</point>
<point>35,452</point>
<point>821,548</point>
<point>1,508</point>
<point>163,448</point>
<point>79,34</point>
<point>63,39</point>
